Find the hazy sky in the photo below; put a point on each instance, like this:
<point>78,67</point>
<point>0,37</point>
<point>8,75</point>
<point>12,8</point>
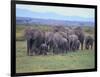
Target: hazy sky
<point>61,11</point>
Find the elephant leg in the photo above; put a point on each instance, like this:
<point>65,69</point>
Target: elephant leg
<point>85,46</point>
<point>28,47</point>
<point>73,47</point>
<point>81,46</point>
<point>70,46</point>
<point>54,49</point>
<point>67,49</point>
<point>91,46</point>
<point>88,46</point>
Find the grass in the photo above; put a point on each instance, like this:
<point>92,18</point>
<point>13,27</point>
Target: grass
<point>70,61</point>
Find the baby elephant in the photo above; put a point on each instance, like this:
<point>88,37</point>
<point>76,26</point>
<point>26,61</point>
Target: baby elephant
<point>43,49</point>
<point>89,42</point>
<point>77,44</point>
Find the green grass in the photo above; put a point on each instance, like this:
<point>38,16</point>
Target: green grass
<point>70,61</point>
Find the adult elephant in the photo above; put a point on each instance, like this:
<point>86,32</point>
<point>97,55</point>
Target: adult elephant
<point>49,40</point>
<point>34,39</point>
<point>73,42</point>
<point>89,42</point>
<point>81,36</point>
<point>29,35</point>
<point>60,43</point>
<point>63,45</point>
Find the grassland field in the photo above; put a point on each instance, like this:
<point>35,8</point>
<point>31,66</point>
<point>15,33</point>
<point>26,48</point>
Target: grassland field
<point>81,59</point>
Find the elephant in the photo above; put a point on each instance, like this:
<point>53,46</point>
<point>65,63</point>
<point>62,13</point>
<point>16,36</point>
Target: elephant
<point>43,49</point>
<point>57,41</point>
<point>73,41</point>
<point>49,40</point>
<point>77,44</point>
<point>63,45</point>
<point>28,35</point>
<point>89,42</point>
<point>60,43</point>
<point>34,39</point>
<point>81,36</point>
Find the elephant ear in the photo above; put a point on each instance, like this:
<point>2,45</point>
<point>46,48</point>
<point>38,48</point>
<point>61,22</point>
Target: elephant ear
<point>27,33</point>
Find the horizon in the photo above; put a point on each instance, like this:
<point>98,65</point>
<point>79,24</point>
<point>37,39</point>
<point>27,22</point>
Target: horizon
<point>55,13</point>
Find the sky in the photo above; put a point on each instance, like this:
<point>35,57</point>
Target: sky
<point>53,12</point>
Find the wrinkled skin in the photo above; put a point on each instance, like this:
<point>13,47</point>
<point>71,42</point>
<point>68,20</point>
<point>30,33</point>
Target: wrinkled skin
<point>89,42</point>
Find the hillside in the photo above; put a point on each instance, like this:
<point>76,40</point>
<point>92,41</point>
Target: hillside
<point>37,21</point>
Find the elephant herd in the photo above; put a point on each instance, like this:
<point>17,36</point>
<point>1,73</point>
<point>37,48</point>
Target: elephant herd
<point>59,40</point>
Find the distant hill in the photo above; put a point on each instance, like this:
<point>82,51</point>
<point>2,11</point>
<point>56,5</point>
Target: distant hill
<point>38,21</point>
<point>50,15</point>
